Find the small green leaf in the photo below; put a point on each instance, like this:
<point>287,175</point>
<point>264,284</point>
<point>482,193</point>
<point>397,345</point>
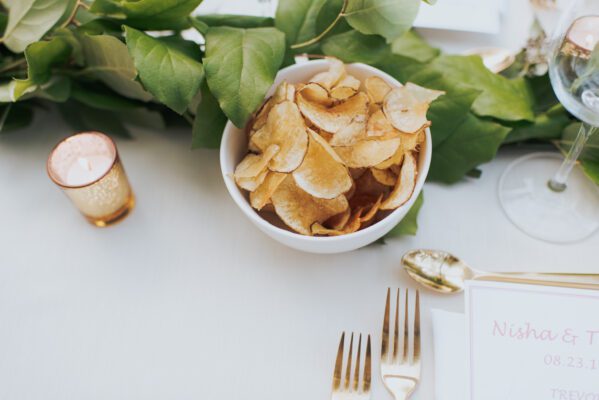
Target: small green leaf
<point>474,142</point>
<point>240,66</point>
<point>170,75</point>
<point>411,45</point>
<point>30,20</point>
<point>209,122</point>
<point>83,118</point>
<point>43,56</point>
<point>409,224</point>
<point>98,96</point>
<point>147,14</point>
<point>108,60</point>
<point>591,169</point>
<point>546,126</point>
<point>353,46</point>
<point>387,18</point>
<point>234,21</point>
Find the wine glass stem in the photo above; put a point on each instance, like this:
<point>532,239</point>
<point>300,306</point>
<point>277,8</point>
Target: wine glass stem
<point>558,183</point>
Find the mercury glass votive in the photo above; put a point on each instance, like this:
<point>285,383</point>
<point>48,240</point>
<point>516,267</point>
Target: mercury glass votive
<point>88,169</point>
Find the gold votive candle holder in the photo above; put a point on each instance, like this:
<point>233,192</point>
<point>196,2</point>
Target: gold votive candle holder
<point>86,166</point>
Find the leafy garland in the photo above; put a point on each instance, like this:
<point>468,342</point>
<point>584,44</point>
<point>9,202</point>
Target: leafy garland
<point>97,62</point>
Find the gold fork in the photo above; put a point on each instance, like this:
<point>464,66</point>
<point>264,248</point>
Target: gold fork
<point>349,388</point>
<point>401,372</point>
<point>544,4</point>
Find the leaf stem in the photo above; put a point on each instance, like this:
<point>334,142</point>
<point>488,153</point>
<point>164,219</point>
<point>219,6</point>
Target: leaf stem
<point>12,65</point>
<point>325,32</point>
<point>188,118</point>
<point>71,18</point>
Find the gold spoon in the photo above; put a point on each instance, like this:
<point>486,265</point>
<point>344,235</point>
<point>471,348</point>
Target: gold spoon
<point>445,273</point>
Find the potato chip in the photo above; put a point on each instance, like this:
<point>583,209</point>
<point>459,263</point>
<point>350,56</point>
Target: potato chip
<point>384,176</point>
<point>261,197</point>
<point>316,93</point>
<point>335,118</point>
<point>405,112</point>
<point>410,142</point>
<point>422,94</point>
<point>396,159</point>
<point>285,127</point>
<point>379,126</point>
<point>374,208</point>
<point>322,173</point>
<point>262,115</point>
<point>343,93</point>
<point>254,164</point>
<point>377,89</point>
<point>368,153</point>
<point>299,210</point>
<point>284,92</point>
<point>338,222</point>
<point>351,82</point>
<point>353,225</point>
<point>331,77</point>
<point>405,185</point>
<point>352,133</point>
<point>252,183</point>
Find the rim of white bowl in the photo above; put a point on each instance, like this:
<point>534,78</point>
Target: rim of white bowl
<point>253,214</point>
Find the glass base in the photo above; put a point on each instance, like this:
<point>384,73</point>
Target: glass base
<point>115,217</point>
<point>559,217</point>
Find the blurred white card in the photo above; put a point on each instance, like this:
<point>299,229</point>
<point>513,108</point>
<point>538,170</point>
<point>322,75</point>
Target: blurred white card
<point>462,15</point>
<point>532,342</point>
<point>482,16</point>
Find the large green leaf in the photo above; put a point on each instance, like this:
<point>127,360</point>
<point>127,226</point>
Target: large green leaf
<point>546,126</point>
<point>170,75</point>
<point>474,142</point>
<point>98,96</point>
<point>409,224</point>
<point>240,66</point>
<point>387,18</point>
<point>502,98</point>
<point>148,14</point>
<point>108,60</point>
<point>411,45</point>
<point>589,159</point>
<point>353,46</point>
<point>29,20</point>
<point>298,19</point>
<point>209,123</point>
<point>83,118</point>
<point>591,169</point>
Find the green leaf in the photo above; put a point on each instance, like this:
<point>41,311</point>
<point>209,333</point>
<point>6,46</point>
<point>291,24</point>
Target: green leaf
<point>209,122</point>
<point>14,117</point>
<point>170,75</point>
<point>147,14</point>
<point>589,159</point>
<point>501,98</point>
<point>240,66</point>
<point>98,96</point>
<point>409,224</point>
<point>353,46</point>
<point>108,60</point>
<point>234,21</point>
<point>58,90</point>
<point>411,45</point>
<point>387,18</point>
<point>298,19</point>
<point>187,47</point>
<point>591,169</point>
<point>43,56</point>
<point>546,126</point>
<point>474,142</point>
<point>83,118</point>
<point>30,20</point>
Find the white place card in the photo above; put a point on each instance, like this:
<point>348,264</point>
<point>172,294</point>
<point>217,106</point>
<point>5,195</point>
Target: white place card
<point>532,342</point>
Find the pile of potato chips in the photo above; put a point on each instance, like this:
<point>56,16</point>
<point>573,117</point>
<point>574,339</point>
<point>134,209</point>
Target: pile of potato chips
<point>335,155</point>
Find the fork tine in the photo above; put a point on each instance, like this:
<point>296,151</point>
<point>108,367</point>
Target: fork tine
<point>349,357</point>
<point>339,364</point>
<point>357,369</point>
<point>385,340</point>
<point>367,369</point>
<point>396,328</point>
<point>406,333</point>
<point>416,357</point>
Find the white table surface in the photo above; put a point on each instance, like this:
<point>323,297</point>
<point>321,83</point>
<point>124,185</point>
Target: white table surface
<point>187,300</point>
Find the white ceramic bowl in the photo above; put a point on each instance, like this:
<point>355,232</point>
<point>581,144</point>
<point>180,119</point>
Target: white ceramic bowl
<point>234,147</point>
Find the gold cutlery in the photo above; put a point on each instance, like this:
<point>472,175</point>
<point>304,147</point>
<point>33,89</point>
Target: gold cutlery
<point>544,4</point>
<point>401,372</point>
<point>495,59</point>
<point>347,386</point>
<point>445,273</point>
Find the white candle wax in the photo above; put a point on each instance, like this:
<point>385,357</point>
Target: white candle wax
<point>88,169</point>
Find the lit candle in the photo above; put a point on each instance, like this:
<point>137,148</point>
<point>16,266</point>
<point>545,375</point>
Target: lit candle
<point>87,167</point>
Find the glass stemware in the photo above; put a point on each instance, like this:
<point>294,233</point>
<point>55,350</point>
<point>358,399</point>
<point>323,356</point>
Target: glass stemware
<point>563,208</point>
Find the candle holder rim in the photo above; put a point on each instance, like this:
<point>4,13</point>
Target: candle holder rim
<point>112,164</point>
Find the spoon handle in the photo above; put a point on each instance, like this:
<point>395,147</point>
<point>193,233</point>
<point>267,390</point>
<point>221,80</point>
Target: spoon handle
<point>571,280</point>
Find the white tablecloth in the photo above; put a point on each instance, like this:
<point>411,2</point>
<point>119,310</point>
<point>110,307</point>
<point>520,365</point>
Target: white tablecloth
<point>187,300</point>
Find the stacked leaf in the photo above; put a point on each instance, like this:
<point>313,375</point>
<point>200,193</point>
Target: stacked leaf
<point>329,158</point>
